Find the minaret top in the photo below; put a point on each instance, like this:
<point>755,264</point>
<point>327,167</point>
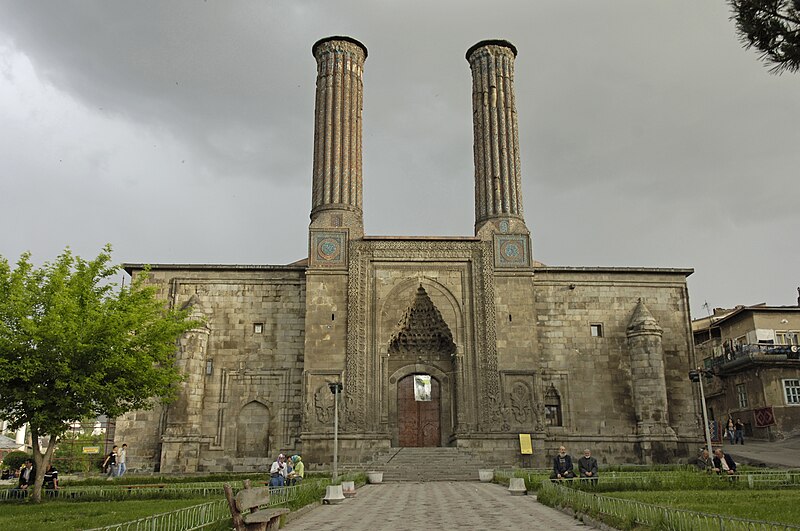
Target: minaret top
<point>338,38</point>
<point>491,42</point>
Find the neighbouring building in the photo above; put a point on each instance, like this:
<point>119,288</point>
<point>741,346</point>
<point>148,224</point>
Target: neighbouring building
<point>754,353</point>
<point>437,341</point>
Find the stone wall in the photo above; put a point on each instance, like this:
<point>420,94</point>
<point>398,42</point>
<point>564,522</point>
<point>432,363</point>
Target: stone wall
<point>251,403</point>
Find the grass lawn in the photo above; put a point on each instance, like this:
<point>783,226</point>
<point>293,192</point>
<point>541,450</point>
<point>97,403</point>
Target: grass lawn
<point>771,505</point>
<point>50,515</point>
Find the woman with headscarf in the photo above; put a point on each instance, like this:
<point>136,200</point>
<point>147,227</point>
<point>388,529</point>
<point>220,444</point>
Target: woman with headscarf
<point>299,470</point>
<point>277,472</point>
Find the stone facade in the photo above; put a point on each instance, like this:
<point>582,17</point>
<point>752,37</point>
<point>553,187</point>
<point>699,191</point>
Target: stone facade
<point>591,357</point>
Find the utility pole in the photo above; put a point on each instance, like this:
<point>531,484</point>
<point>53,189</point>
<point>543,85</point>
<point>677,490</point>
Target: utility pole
<point>336,389</point>
<point>697,375</point>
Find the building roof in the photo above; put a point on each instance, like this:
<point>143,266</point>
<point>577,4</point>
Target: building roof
<point>296,266</point>
<point>722,315</point>
<point>6,443</point>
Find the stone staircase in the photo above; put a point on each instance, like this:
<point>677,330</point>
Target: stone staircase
<point>427,464</point>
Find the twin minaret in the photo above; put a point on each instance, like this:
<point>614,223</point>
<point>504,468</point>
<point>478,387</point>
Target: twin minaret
<point>337,182</point>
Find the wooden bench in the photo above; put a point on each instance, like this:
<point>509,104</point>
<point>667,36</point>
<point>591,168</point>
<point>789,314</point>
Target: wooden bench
<point>246,509</point>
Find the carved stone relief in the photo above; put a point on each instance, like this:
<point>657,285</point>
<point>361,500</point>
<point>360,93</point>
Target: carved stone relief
<point>422,331</point>
<point>479,363</point>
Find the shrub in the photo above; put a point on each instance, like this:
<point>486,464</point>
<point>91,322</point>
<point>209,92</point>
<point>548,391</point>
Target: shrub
<point>15,460</point>
<point>69,457</point>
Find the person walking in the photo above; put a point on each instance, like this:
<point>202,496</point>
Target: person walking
<point>730,429</point>
<point>122,460</point>
<point>738,432</point>
<point>110,463</point>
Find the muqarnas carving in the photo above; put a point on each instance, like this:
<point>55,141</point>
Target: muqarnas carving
<point>422,331</point>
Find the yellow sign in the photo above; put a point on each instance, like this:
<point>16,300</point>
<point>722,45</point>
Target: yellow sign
<point>91,449</point>
<point>525,447</point>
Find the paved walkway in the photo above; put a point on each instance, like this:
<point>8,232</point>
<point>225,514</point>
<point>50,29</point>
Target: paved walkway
<point>778,454</point>
<point>435,505</point>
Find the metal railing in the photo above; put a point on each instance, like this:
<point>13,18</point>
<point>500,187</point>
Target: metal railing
<point>188,518</point>
<point>125,492</point>
<point>677,479</point>
<point>197,516</point>
<point>635,512</point>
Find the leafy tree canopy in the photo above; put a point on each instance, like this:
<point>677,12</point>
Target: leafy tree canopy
<point>74,345</point>
<point>773,28</point>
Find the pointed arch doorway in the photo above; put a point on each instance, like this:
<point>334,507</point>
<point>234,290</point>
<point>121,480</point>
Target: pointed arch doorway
<point>420,364</point>
<point>419,407</point>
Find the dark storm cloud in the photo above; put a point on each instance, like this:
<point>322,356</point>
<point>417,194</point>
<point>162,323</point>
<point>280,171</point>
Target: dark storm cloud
<point>181,132</point>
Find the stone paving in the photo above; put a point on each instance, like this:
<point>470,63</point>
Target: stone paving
<point>435,505</point>
<point>776,454</point>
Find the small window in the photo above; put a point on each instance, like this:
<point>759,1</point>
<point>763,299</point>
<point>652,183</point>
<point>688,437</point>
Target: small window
<point>741,395</point>
<point>258,328</point>
<point>596,329</point>
<point>791,388</point>
<point>552,407</point>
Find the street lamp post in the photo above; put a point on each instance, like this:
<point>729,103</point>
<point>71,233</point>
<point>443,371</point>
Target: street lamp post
<point>697,375</point>
<point>336,388</point>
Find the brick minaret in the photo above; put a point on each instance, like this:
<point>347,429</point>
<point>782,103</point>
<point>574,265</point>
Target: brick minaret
<point>337,187</point>
<point>498,190</point>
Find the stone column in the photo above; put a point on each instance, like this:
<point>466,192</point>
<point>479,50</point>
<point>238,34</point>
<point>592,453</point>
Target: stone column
<point>183,435</point>
<point>337,186</point>
<point>649,385</point>
<point>498,192</point>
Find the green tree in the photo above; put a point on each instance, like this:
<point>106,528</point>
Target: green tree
<point>73,345</point>
<point>773,28</point>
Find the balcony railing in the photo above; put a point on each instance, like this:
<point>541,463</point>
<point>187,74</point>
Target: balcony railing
<point>730,354</point>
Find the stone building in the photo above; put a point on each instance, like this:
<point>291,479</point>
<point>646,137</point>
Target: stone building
<point>754,353</point>
<point>438,341</point>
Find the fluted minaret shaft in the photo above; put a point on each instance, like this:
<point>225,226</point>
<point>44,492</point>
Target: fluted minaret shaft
<point>498,190</point>
<point>337,125</point>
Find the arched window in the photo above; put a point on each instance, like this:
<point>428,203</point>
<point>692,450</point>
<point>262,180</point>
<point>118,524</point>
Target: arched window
<point>552,407</point>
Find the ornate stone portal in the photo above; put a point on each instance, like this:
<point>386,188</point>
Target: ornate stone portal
<point>438,341</point>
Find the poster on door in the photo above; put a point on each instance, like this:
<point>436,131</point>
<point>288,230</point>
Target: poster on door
<point>422,387</point>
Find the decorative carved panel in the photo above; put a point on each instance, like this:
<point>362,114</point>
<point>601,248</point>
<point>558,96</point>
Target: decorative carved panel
<point>511,250</point>
<point>481,397</point>
<point>421,330</point>
<point>328,248</point>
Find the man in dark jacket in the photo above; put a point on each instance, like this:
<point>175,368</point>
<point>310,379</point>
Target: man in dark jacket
<point>26,478</point>
<point>587,467</point>
<point>724,463</point>
<point>562,465</point>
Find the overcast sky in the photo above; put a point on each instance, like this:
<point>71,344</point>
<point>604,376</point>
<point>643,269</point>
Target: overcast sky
<point>181,132</point>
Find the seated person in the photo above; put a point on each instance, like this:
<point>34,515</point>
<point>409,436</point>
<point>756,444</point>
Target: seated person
<point>51,478</point>
<point>299,470</point>
<point>562,465</point>
<point>277,472</point>
<point>587,467</point>
<point>704,461</point>
<point>26,478</point>
<point>724,463</point>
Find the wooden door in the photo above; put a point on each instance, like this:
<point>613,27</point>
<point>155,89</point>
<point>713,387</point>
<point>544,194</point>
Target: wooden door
<point>418,421</point>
